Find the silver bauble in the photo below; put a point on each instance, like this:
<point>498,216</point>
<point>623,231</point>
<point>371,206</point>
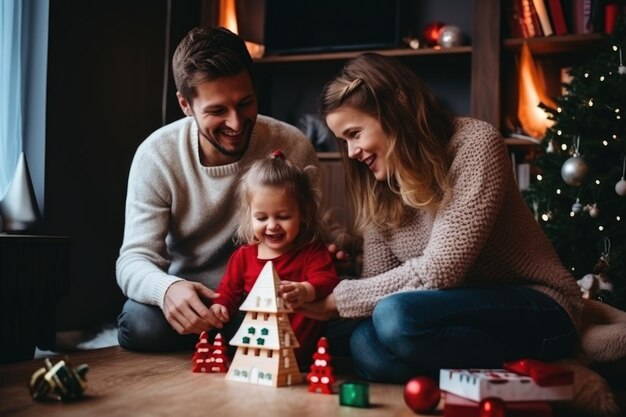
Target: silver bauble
<point>577,207</point>
<point>450,36</point>
<point>620,188</point>
<point>574,171</point>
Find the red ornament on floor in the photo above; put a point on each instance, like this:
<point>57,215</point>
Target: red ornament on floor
<point>421,394</point>
<point>492,407</point>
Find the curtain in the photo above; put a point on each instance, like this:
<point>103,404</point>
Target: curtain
<point>11,105</point>
<point>23,79</point>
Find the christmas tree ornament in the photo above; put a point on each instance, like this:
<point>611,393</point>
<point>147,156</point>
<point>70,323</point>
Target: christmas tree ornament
<point>450,36</point>
<point>620,187</point>
<point>574,170</point>
<point>492,407</point>
<point>421,394</point>
<point>577,208</point>
<point>431,33</point>
<point>550,147</point>
<point>621,69</point>
<point>593,210</point>
<point>60,381</point>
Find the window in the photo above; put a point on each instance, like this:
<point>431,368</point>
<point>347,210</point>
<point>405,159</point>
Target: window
<point>24,56</point>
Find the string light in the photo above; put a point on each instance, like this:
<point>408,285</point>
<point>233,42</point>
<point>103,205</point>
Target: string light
<point>597,182</point>
<point>539,177</point>
<point>590,102</point>
<point>605,143</point>
<point>572,214</point>
<point>618,218</point>
<point>559,132</point>
<point>602,78</point>
<point>558,191</point>
<point>600,228</point>
<point>586,75</point>
<point>559,110</point>
<point>564,147</point>
<point>545,217</point>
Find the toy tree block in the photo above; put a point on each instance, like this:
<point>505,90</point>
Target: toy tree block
<point>478,384</point>
<point>210,357</point>
<point>265,340</point>
<point>201,355</point>
<point>321,377</point>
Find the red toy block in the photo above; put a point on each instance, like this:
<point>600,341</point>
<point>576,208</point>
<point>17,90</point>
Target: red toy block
<point>321,377</point>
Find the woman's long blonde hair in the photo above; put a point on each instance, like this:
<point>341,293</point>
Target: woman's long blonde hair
<point>277,172</point>
<point>418,129</point>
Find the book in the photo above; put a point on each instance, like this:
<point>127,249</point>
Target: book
<point>581,16</point>
<point>516,19</point>
<point>455,406</point>
<point>478,384</point>
<point>544,18</point>
<point>530,20</point>
<point>558,18</point>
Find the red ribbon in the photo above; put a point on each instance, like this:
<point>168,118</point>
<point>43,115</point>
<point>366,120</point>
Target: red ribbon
<point>544,374</point>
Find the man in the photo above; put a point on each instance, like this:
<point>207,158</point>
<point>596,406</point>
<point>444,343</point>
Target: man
<point>179,207</point>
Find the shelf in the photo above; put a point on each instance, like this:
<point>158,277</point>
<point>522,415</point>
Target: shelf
<point>558,44</point>
<point>398,52</point>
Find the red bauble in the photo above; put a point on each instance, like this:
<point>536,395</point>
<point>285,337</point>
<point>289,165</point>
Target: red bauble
<point>431,33</point>
<point>421,394</point>
<point>492,407</point>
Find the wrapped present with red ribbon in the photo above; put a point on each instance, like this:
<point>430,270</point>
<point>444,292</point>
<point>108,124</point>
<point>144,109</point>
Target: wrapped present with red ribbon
<point>544,374</point>
<point>455,406</point>
<point>478,384</point>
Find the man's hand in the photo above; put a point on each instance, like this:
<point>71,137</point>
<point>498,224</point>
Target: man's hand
<point>296,293</point>
<point>325,309</point>
<point>185,310</point>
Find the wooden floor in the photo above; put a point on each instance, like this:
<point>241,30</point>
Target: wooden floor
<point>123,383</point>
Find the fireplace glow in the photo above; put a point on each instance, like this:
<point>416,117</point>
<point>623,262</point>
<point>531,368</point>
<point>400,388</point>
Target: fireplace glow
<point>228,19</point>
<point>531,87</point>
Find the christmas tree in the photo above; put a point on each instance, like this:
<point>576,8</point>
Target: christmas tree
<point>579,197</point>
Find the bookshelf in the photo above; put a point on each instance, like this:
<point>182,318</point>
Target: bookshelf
<point>477,80</point>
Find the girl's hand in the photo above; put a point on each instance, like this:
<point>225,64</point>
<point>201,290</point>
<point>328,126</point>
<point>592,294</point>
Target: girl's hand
<point>296,293</point>
<point>325,309</point>
<point>220,313</point>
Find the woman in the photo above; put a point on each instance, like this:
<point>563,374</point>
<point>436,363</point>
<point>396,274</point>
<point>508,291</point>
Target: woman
<point>456,271</point>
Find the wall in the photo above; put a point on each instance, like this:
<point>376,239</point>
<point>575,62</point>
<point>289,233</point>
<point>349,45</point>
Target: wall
<point>105,83</point>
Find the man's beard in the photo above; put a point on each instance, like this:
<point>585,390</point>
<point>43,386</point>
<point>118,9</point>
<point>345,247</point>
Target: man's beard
<point>213,141</point>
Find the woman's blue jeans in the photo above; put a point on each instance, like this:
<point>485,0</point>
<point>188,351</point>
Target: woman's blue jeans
<point>419,332</point>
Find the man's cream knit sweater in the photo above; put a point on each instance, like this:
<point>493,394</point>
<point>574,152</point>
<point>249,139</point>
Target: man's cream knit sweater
<point>485,235</point>
<point>179,213</point>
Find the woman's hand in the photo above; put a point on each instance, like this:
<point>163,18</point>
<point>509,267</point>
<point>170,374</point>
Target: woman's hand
<point>324,309</point>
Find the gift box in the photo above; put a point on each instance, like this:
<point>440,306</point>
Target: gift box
<point>455,406</point>
<point>478,384</point>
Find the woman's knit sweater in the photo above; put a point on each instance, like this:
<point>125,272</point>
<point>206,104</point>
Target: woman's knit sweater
<point>486,234</point>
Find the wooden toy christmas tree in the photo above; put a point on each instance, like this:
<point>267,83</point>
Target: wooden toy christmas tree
<point>265,340</point>
<point>209,358</point>
<point>321,377</point>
